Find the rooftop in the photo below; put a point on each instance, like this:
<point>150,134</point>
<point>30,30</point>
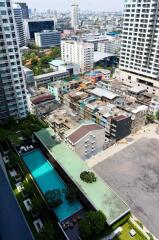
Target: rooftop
<point>49,74</point>
<point>82,131</point>
<point>106,200</point>
<point>98,56</point>
<point>104,93</point>
<point>57,63</point>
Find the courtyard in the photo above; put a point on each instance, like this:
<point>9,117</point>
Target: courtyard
<point>133,172</point>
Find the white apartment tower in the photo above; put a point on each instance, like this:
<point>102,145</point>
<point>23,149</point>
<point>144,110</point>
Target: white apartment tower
<point>74,14</point>
<point>139,55</point>
<point>13,97</point>
<point>19,25</point>
<point>78,53</point>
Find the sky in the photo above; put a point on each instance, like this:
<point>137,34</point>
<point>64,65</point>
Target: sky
<point>98,5</point>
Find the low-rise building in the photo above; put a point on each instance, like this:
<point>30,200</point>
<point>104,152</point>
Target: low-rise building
<point>87,140</point>
<point>43,104</point>
<point>120,127</point>
<point>59,88</point>
<point>44,79</point>
<point>29,77</point>
<point>154,105</point>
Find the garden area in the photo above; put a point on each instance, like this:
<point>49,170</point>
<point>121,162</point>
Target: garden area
<point>27,192</point>
<point>17,131</point>
<point>38,60</point>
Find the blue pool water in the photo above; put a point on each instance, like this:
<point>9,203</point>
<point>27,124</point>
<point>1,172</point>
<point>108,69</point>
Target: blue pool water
<point>47,179</point>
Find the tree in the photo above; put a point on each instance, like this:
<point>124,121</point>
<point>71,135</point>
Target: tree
<point>3,134</point>
<point>53,198</point>
<point>157,115</point>
<point>150,118</point>
<point>92,225</point>
<point>38,204</point>
<point>71,193</point>
<point>34,61</point>
<point>48,232</point>
<point>45,60</point>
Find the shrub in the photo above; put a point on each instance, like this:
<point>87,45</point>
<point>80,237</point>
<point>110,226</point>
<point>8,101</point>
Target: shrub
<point>88,177</point>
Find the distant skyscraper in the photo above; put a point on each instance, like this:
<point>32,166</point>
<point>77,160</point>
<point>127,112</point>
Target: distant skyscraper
<point>139,55</point>
<point>13,97</point>
<point>25,10</point>
<point>74,14</point>
<point>19,25</point>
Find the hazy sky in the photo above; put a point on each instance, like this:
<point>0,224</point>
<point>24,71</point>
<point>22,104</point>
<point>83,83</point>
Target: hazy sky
<point>103,5</point>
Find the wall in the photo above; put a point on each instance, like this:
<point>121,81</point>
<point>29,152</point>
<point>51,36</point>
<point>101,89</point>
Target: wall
<point>99,140</point>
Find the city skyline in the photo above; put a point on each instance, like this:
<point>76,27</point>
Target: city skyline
<point>64,5</point>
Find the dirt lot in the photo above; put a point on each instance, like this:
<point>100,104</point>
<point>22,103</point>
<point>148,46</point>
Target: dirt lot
<point>133,173</point>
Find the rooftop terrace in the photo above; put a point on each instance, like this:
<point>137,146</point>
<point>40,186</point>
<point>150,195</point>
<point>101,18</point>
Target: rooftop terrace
<point>98,193</point>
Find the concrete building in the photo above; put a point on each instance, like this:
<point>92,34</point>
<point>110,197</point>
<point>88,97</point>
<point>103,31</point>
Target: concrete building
<point>29,77</point>
<point>59,65</point>
<point>110,46</point>
<point>139,49</point>
<point>154,105</point>
<point>87,140</point>
<point>47,39</point>
<point>79,53</point>
<point>59,88</point>
<point>25,10</point>
<point>74,15</point>
<point>44,79</point>
<point>19,25</point>
<point>120,127</point>
<point>13,97</point>
<point>34,26</point>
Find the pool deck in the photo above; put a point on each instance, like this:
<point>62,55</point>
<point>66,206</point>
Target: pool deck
<point>12,222</point>
<point>99,194</point>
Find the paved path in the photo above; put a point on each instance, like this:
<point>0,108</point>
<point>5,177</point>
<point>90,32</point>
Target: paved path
<point>12,223</point>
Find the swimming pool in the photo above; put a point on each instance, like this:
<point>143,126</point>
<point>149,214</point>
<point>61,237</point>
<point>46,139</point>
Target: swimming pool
<point>47,179</point>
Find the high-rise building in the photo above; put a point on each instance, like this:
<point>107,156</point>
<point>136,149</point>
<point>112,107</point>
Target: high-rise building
<point>80,53</point>
<point>13,97</point>
<point>47,39</point>
<point>74,15</point>
<point>25,10</point>
<point>19,25</point>
<point>139,55</point>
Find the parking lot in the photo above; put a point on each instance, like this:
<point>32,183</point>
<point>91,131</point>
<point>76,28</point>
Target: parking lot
<point>133,173</point>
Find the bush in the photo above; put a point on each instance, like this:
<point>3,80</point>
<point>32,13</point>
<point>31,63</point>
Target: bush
<point>88,177</point>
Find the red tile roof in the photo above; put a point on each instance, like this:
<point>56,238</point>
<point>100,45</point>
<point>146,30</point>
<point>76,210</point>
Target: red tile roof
<point>82,131</point>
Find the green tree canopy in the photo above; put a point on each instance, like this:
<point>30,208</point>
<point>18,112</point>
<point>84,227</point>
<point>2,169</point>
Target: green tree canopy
<point>92,225</point>
<point>157,115</point>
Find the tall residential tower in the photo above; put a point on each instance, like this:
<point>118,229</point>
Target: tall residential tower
<point>13,97</point>
<point>139,55</point>
<point>74,14</point>
<point>19,25</point>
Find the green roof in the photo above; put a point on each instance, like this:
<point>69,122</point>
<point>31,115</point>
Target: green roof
<point>98,193</point>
